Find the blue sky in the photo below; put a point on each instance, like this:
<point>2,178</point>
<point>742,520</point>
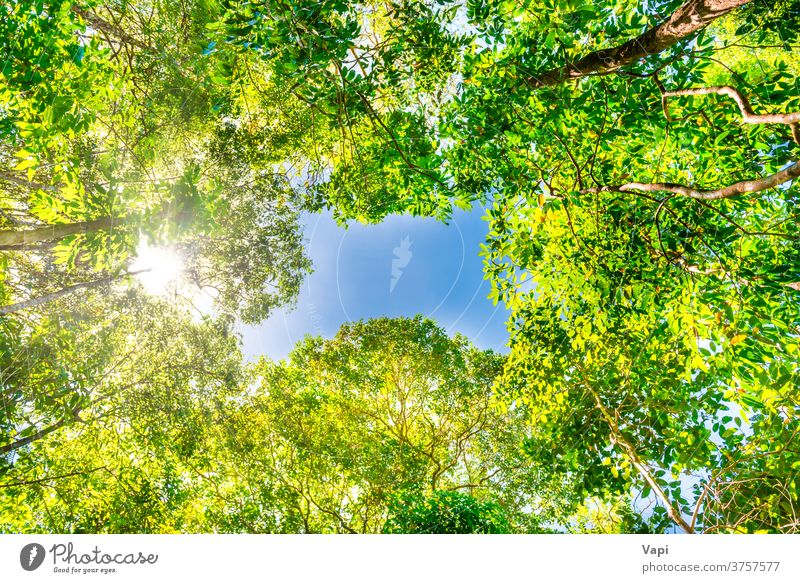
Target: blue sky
<point>401,267</point>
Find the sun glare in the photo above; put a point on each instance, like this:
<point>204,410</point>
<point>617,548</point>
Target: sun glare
<point>160,268</point>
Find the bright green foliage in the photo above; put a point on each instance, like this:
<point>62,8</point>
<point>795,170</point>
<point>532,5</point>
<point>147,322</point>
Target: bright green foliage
<point>127,416</point>
<point>389,421</point>
<point>356,67</point>
<point>112,123</point>
<point>642,230</point>
<point>387,407</point>
<point>604,325</point>
<point>54,82</point>
<point>444,513</point>
<point>652,329</point>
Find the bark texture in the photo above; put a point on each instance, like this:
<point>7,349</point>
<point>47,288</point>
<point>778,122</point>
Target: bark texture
<point>690,18</point>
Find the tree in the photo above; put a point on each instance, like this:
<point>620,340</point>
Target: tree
<point>376,430</point>
<point>129,152</point>
<point>638,162</point>
<point>389,410</point>
<point>654,313</point>
<point>106,417</point>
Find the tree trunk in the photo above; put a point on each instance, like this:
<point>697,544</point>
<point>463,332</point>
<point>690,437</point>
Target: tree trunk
<point>65,291</point>
<point>691,17</point>
<point>27,239</point>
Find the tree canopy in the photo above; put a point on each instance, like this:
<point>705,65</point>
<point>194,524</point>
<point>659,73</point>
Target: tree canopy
<point>637,162</point>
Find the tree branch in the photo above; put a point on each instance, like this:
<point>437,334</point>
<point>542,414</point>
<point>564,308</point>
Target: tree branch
<point>629,451</point>
<point>13,178</point>
<point>51,478</point>
<point>744,187</point>
<point>33,302</point>
<point>744,105</point>
<point>15,445</point>
<point>26,239</point>
<point>691,17</point>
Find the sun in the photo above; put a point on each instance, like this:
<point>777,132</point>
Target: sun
<point>160,269</point>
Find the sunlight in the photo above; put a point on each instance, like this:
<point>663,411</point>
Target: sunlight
<point>161,269</point>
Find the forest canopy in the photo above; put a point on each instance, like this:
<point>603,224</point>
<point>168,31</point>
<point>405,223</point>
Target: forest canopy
<point>637,164</point>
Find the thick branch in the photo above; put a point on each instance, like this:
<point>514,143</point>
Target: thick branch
<point>744,187</point>
<point>51,478</point>
<point>691,17</point>
<point>744,105</point>
<point>14,240</point>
